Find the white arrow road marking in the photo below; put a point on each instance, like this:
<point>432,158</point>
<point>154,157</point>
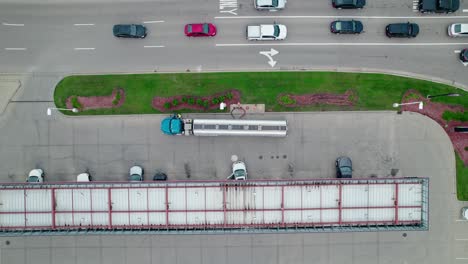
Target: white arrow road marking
<point>229,11</point>
<point>457,51</point>
<point>83,25</point>
<point>154,21</point>
<point>85,48</point>
<point>269,55</point>
<point>13,25</point>
<point>153,46</point>
<point>15,48</point>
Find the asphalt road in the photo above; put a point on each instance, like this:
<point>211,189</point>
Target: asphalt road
<point>72,38</point>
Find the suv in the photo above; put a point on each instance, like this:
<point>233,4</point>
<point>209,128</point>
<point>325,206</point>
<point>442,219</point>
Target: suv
<point>346,27</point>
<point>270,5</point>
<point>239,171</point>
<point>129,31</point>
<point>348,4</point>
<point>344,167</point>
<point>35,176</point>
<point>136,174</point>
<point>402,30</point>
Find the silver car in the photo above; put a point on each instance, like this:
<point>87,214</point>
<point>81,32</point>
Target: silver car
<point>270,5</point>
<point>458,30</point>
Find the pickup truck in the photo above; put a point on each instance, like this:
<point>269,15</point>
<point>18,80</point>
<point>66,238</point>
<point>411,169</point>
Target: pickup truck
<point>438,6</point>
<point>266,32</point>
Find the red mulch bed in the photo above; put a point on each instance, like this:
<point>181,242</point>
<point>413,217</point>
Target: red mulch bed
<point>158,102</point>
<point>97,102</point>
<point>435,111</point>
<point>346,99</point>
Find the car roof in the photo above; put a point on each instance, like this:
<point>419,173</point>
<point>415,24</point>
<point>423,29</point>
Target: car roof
<point>264,2</point>
<point>464,27</point>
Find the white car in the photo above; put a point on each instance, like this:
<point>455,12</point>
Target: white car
<point>136,174</point>
<point>35,176</point>
<point>458,30</point>
<point>464,213</point>
<point>270,5</point>
<point>267,32</point>
<point>83,177</point>
<point>239,171</point>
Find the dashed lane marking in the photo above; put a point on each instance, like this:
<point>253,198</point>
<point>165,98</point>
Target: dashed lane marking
<point>13,25</point>
<point>153,46</point>
<point>85,48</point>
<point>15,48</point>
<point>153,22</point>
<point>83,25</point>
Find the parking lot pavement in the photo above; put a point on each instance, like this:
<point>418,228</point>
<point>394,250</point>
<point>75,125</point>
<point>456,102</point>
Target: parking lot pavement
<point>381,144</point>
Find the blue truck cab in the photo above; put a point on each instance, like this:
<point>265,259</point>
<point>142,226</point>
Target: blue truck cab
<point>172,125</point>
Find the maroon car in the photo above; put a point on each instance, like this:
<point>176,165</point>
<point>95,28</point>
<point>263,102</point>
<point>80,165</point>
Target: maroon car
<point>200,30</point>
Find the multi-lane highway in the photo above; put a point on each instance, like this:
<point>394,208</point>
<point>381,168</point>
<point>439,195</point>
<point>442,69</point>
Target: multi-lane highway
<point>76,38</point>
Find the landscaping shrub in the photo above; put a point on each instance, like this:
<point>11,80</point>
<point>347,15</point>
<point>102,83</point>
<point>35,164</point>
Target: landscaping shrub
<point>200,102</point>
<point>215,101</point>
<point>458,116</point>
<point>175,102</point>
<point>184,99</point>
<point>191,101</point>
<point>117,98</point>
<point>206,103</point>
<point>287,100</point>
<point>167,105</point>
<point>229,95</point>
<point>76,103</point>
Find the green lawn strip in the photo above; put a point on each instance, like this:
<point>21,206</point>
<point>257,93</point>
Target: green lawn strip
<point>374,91</point>
<point>462,179</point>
<point>457,116</point>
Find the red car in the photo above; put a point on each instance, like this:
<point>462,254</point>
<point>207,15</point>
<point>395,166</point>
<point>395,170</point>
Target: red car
<point>200,30</point>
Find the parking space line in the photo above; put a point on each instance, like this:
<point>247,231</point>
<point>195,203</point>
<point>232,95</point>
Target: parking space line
<point>461,258</point>
<point>461,239</point>
<point>85,48</point>
<point>457,51</point>
<point>336,44</point>
<point>152,22</point>
<point>337,17</point>
<point>13,25</point>
<point>465,10</point>
<point>153,46</point>
<point>15,48</point>
<point>83,25</point>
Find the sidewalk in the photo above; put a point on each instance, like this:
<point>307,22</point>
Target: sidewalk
<point>9,85</point>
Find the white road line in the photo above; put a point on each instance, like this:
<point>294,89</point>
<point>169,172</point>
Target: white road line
<point>460,220</point>
<point>465,10</point>
<point>15,48</point>
<point>154,21</point>
<point>338,44</point>
<point>457,51</point>
<point>83,25</point>
<point>153,46</point>
<point>84,48</point>
<point>328,17</point>
<point>13,25</point>
<point>461,239</point>
<point>461,258</point>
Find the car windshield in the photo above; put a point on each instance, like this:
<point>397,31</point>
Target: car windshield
<point>206,28</point>
<point>33,179</point>
<point>458,28</point>
<point>189,28</point>
<point>135,177</point>
<point>338,25</point>
<point>276,30</point>
<point>345,170</point>
<point>239,173</point>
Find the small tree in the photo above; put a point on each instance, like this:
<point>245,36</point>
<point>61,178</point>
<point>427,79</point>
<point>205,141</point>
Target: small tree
<point>167,105</point>
<point>175,102</point>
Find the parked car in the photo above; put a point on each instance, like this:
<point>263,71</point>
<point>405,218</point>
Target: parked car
<point>35,176</point>
<point>464,213</point>
<point>83,177</point>
<point>458,30</point>
<point>160,176</point>
<point>200,30</point>
<point>129,31</point>
<point>464,55</point>
<point>344,167</point>
<point>270,5</point>
<point>346,27</point>
<point>402,30</point>
<point>239,171</point>
<point>348,4</point>
<point>136,174</point>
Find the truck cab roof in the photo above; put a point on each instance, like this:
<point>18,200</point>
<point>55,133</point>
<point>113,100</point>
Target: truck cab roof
<point>171,125</point>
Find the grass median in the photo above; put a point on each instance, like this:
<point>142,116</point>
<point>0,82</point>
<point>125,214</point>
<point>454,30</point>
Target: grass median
<point>373,92</point>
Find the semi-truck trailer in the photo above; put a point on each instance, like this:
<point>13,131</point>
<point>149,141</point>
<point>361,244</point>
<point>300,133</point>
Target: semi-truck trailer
<point>177,125</point>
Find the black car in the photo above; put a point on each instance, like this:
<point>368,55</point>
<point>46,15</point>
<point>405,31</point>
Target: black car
<point>348,4</point>
<point>346,27</point>
<point>402,30</point>
<point>344,167</point>
<point>129,31</point>
<point>160,176</point>
<point>464,55</point>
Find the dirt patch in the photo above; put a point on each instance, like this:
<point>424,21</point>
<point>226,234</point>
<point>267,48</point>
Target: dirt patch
<point>290,100</point>
<point>435,111</point>
<point>201,103</point>
<point>98,102</point>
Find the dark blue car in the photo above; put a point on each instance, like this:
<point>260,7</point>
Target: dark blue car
<point>344,167</point>
<point>129,31</point>
<point>346,27</point>
<point>348,4</point>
